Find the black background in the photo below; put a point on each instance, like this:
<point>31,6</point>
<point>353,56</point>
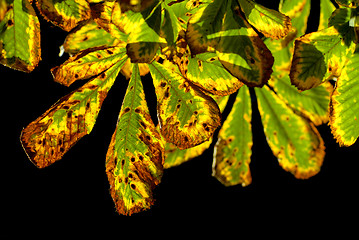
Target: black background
<point>77,185</point>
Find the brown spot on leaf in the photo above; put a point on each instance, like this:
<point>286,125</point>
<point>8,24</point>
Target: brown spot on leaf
<point>10,23</point>
<point>126,110</point>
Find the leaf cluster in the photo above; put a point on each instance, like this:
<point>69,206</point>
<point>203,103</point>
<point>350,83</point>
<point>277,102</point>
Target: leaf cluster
<point>198,53</point>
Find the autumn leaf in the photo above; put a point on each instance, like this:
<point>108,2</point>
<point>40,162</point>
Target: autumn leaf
<point>20,39</point>
<point>203,26</point>
<point>344,112</point>
<point>206,71</point>
<point>311,62</point>
<point>293,139</point>
<point>232,153</point>
<point>66,14</point>
<point>50,136</point>
<point>89,35</point>
<point>87,63</point>
<point>321,55</point>
<point>187,116</point>
<point>218,27</point>
<point>270,22</point>
<point>134,161</point>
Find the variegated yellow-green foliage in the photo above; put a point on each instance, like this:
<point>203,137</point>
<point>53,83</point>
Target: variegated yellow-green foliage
<point>65,14</point>
<point>19,35</point>
<point>330,54</point>
<point>134,162</point>
<point>198,52</point>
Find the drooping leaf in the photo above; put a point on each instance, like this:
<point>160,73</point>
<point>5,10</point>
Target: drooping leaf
<point>86,64</point>
<point>232,153</point>
<point>270,22</point>
<point>19,35</point>
<point>241,51</point>
<point>187,116</point>
<point>134,161</point>
<point>344,114</point>
<point>312,104</point>
<point>90,35</point>
<point>293,139</point>
<point>66,14</point>
<point>50,136</point>
<point>207,72</point>
<point>318,56</point>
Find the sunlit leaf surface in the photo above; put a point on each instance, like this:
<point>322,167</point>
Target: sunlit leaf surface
<point>293,139</point>
<point>66,14</point>
<point>86,64</point>
<point>19,35</point>
<point>232,153</point>
<point>134,161</point>
<point>50,136</point>
<point>89,35</point>
<point>344,113</point>
<point>187,116</point>
<point>270,22</point>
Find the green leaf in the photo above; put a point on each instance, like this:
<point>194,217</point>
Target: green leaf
<point>241,51</point>
<point>187,116</point>
<point>89,35</point>
<point>66,14</point>
<point>319,56</point>
<point>134,161</point>
<point>50,136</point>
<point>19,35</point>
<point>204,25</point>
<point>270,22</point>
<point>207,72</point>
<point>144,33</point>
<point>326,10</point>
<point>232,153</point>
<point>176,156</point>
<point>87,63</point>
<point>105,13</point>
<point>312,104</point>
<point>298,11</point>
<point>293,139</point>
<point>344,112</point>
<point>170,26</point>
